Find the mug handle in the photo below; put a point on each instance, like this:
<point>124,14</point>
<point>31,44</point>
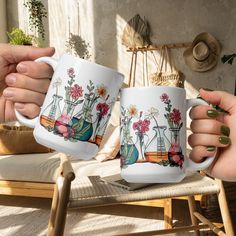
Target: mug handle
<point>32,122</point>
<point>191,165</point>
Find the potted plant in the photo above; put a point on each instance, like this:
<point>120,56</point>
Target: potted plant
<point>18,37</point>
<point>37,12</point>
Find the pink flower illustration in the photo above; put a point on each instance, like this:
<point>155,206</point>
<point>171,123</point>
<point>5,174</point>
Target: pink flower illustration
<point>164,98</point>
<point>178,160</point>
<point>71,72</point>
<point>142,126</point>
<point>172,115</point>
<point>66,131</point>
<point>64,118</point>
<point>62,129</point>
<point>76,92</point>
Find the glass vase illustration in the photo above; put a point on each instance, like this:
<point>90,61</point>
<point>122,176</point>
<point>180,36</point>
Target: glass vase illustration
<point>140,145</point>
<point>51,113</point>
<point>63,123</point>
<point>99,129</point>
<point>82,123</point>
<point>175,155</point>
<point>156,150</point>
<point>128,153</point>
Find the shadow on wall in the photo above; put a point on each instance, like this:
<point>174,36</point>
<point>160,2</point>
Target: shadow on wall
<point>46,42</point>
<point>193,17</point>
<point>105,42</point>
<point>12,16</point>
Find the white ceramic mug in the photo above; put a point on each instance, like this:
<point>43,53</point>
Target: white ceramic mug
<point>77,106</point>
<point>153,135</point>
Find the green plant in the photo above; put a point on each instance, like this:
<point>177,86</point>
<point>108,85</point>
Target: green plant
<point>37,12</point>
<point>228,58</point>
<point>18,37</point>
<point>78,45</point>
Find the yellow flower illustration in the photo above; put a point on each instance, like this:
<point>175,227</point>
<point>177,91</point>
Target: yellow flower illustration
<point>132,110</point>
<point>101,90</point>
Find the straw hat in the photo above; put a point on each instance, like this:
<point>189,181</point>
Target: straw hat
<point>203,54</point>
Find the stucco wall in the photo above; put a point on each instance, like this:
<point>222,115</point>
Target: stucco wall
<point>3,22</point>
<point>101,24</point>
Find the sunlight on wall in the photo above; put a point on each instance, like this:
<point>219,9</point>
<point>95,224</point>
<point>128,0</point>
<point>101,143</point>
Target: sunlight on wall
<point>67,17</point>
<point>64,17</point>
<point>124,57</point>
<point>87,24</point>
<point>23,17</point>
<point>124,61</point>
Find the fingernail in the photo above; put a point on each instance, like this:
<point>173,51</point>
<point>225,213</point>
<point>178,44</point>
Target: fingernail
<point>212,113</point>
<point>225,130</point>
<point>8,93</point>
<point>19,106</point>
<point>211,148</point>
<point>21,68</point>
<point>224,140</point>
<point>219,109</point>
<point>10,79</point>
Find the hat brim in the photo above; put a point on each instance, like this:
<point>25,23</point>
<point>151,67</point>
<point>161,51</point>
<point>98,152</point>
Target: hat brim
<point>211,42</point>
<point>199,66</point>
<point>211,61</point>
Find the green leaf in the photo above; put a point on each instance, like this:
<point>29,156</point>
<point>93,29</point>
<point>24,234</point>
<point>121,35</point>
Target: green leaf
<point>228,58</point>
<point>79,102</point>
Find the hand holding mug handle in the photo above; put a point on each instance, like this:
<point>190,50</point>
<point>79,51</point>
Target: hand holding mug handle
<point>190,165</point>
<point>32,122</point>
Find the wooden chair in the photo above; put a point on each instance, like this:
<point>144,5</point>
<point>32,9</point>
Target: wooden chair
<point>31,175</point>
<point>87,191</point>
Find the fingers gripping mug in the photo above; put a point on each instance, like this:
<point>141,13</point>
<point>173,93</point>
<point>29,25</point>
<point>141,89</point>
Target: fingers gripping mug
<point>153,135</point>
<point>77,106</point>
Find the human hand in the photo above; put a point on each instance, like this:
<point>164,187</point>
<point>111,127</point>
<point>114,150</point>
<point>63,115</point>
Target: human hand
<point>28,87</point>
<point>212,129</point>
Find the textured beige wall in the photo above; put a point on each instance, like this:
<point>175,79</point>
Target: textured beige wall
<point>101,22</point>
<point>3,22</point>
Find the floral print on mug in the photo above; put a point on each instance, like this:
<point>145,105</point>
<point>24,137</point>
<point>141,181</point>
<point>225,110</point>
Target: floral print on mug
<point>144,139</point>
<point>88,124</point>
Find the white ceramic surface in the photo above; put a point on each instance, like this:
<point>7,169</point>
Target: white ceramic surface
<point>77,106</point>
<point>153,135</point>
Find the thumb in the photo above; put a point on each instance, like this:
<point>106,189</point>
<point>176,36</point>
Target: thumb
<point>222,99</point>
<point>15,54</point>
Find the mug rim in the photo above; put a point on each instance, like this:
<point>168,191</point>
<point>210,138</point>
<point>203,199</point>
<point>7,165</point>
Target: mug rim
<point>93,63</point>
<point>152,87</point>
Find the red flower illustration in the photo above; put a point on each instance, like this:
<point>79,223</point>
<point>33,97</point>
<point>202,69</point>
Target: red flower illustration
<point>175,116</point>
<point>102,108</point>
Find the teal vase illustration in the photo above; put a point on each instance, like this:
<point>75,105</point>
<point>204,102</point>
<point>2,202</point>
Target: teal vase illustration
<point>129,153</point>
<point>82,128</point>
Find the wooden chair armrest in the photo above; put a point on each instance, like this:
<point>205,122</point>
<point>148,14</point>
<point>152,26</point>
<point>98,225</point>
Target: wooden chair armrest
<point>65,168</point>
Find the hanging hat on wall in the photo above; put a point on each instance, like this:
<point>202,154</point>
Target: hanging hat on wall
<point>203,54</point>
